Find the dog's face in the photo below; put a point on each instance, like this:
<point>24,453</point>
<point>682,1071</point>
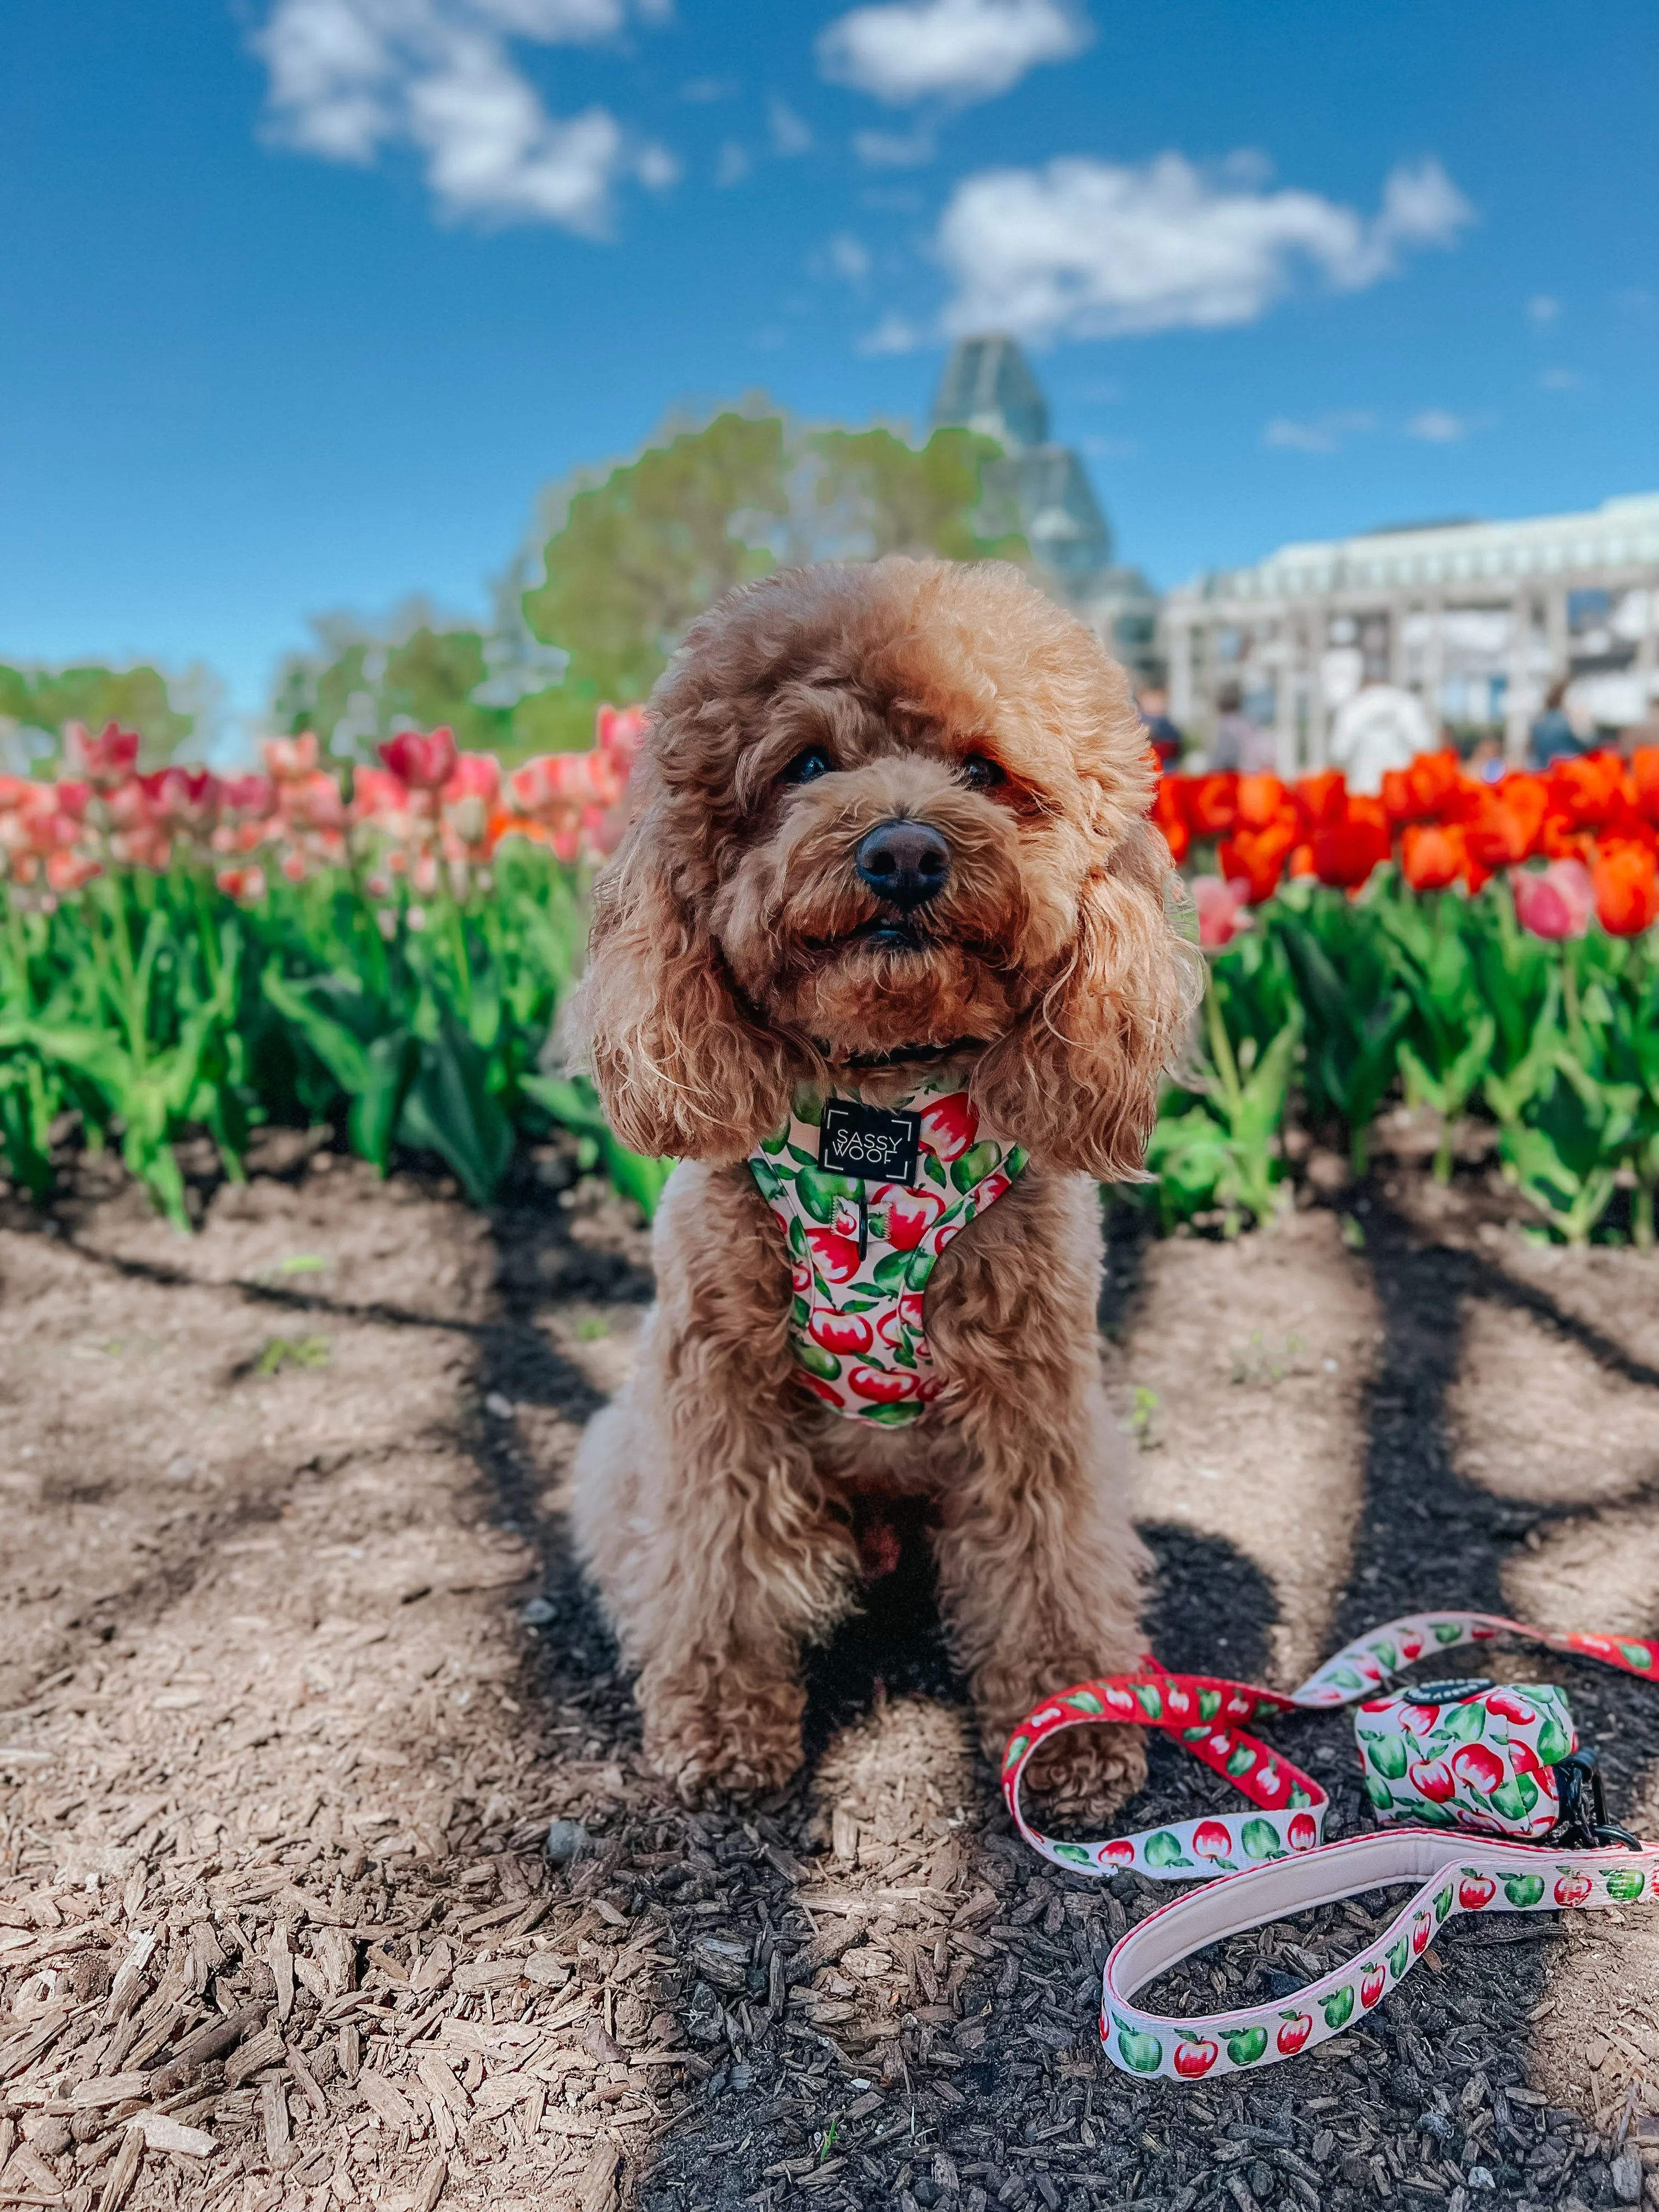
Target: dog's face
<point>887,815</point>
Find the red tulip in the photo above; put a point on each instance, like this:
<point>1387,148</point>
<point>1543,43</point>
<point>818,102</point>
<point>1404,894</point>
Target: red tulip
<point>105,760</point>
<point>425,764</point>
<point>1625,876</point>
<point>1644,781</point>
<point>1169,817</point>
<point>1320,798</point>
<point>1211,804</point>
<point>1347,851</point>
<point>1555,903</point>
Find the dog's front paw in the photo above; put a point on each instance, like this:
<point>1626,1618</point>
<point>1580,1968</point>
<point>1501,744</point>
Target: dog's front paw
<point>1082,1778</point>
<point>738,1750</point>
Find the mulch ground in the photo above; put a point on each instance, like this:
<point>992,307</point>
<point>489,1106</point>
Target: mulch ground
<point>294,1674</point>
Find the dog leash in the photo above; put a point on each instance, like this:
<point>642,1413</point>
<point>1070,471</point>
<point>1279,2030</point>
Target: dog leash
<point>1504,1760</point>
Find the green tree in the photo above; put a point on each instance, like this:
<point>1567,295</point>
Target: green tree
<point>42,699</point>
<point>642,553</point>
<point>639,556</point>
<point>898,498</point>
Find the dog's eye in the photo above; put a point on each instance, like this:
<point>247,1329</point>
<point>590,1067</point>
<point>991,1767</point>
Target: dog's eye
<point>808,766</point>
<point>978,771</point>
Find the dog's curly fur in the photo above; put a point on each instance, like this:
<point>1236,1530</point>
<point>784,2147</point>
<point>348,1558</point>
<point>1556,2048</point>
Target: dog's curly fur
<point>715,1498</point>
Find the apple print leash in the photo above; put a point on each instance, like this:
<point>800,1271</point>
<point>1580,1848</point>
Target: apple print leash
<point>1498,1762</point>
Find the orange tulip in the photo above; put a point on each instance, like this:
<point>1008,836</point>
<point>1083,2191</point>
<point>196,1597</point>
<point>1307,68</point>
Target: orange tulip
<point>1589,789</point>
<point>1262,801</point>
<point>1427,791</point>
<point>1625,876</point>
<point>1433,854</point>
<point>1503,820</point>
<point>1257,857</point>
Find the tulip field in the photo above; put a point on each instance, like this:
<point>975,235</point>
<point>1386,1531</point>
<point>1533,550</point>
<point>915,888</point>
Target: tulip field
<point>186,953</point>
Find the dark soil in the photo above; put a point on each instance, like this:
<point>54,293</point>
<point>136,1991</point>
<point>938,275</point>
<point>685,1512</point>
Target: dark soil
<point>295,1670</point>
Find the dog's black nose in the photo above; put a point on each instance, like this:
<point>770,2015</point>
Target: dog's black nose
<point>906,863</point>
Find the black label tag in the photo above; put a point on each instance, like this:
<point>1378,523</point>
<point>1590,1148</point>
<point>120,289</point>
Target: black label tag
<point>868,1142</point>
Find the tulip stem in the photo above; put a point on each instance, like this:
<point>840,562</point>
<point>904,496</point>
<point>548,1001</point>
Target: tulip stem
<point>1221,1047</point>
<point>1642,1212</point>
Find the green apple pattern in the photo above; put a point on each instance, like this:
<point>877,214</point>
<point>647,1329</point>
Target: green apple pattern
<point>856,1314</point>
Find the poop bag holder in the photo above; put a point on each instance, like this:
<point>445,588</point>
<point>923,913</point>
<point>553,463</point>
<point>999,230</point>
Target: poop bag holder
<point>1500,1763</point>
<point>1471,1755</point>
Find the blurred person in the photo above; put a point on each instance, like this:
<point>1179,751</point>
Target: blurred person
<point>1552,736</point>
<point>1485,759</point>
<point>1382,726</point>
<point>1165,740</point>
<point>1241,745</point>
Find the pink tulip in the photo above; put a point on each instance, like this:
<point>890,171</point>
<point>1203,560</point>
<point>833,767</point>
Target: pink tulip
<point>253,796</point>
<point>1554,902</point>
<point>182,797</point>
<point>425,764</point>
<point>311,802</point>
<point>620,732</point>
<point>290,759</point>
<point>477,775</point>
<point>105,760</point>
<point>1220,906</point>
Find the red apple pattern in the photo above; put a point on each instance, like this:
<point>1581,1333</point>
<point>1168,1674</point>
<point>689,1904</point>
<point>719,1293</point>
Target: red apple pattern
<point>856,1319</point>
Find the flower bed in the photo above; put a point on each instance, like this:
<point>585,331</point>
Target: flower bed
<point>1476,947</point>
<point>183,951</point>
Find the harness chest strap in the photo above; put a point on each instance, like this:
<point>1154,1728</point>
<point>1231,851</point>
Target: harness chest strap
<point>863,1243</point>
<point>1273,1861</point>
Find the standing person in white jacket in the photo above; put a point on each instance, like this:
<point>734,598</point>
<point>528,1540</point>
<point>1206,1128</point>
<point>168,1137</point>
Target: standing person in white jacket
<point>1381,727</point>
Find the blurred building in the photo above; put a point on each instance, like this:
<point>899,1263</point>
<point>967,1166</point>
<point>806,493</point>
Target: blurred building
<point>1042,490</point>
<point>1476,617</point>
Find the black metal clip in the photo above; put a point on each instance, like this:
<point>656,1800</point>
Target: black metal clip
<point>1585,1827</point>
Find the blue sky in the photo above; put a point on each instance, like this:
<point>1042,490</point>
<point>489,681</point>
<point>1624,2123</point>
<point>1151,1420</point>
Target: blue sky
<point>309,296</point>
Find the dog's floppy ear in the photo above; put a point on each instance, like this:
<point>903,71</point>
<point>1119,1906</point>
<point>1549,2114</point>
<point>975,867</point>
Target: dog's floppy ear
<point>1075,1082</point>
<point>679,1068</point>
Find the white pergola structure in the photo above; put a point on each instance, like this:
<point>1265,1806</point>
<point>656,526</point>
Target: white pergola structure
<point>1476,617</point>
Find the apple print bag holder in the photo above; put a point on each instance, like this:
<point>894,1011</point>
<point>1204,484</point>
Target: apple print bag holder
<point>1498,1763</point>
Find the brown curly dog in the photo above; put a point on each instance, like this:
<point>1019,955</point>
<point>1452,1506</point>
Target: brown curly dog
<point>890,823</point>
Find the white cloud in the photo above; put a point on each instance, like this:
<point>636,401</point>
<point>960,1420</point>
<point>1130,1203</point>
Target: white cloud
<point>1542,308</point>
<point>733,166</point>
<point>1084,248</point>
<point>791,133</point>
<point>894,150</point>
<point>349,78</point>
<point>958,50</point>
<point>1438,426</point>
<point>892,334</point>
<point>1326,433</point>
<point>850,256</point>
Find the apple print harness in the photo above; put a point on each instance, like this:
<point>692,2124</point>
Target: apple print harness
<point>1500,1762</point>
<point>867,1198</point>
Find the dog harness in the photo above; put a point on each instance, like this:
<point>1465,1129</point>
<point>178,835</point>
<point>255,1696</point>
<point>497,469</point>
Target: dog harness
<point>867,1198</point>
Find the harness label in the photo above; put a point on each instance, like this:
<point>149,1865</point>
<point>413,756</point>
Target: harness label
<point>868,1142</point>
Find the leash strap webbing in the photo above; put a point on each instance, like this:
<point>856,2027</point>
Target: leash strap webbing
<point>1274,1861</point>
